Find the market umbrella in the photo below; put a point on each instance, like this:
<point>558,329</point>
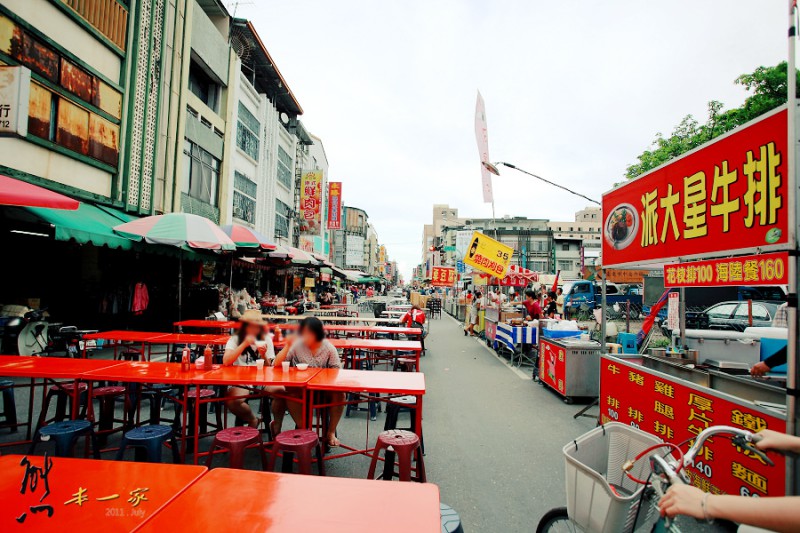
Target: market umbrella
<point>245,237</point>
<point>178,229</point>
<point>23,194</point>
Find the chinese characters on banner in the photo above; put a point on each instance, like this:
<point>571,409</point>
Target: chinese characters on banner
<point>15,86</point>
<point>730,194</point>
<point>488,255</point>
<point>311,202</point>
<point>764,269</point>
<point>443,276</point>
<point>676,411</point>
<point>335,205</point>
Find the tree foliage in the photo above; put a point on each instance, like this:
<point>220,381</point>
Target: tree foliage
<point>767,88</point>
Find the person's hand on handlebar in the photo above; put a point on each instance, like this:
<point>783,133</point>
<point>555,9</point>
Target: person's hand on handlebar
<point>768,439</point>
<point>685,500</point>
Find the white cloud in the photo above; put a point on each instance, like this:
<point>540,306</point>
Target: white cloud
<point>574,91</point>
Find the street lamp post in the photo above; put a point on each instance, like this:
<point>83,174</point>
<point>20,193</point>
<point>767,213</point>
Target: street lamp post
<point>492,167</point>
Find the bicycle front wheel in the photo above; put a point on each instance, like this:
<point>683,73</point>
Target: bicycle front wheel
<point>557,521</point>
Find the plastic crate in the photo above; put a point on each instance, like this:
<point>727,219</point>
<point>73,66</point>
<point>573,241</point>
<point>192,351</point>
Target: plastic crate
<point>559,334</point>
<point>600,497</point>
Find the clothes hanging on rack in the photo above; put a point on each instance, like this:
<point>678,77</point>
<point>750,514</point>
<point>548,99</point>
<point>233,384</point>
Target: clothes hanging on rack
<point>140,300</point>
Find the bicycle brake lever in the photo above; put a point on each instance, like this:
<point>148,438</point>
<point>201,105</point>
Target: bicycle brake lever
<point>743,443</point>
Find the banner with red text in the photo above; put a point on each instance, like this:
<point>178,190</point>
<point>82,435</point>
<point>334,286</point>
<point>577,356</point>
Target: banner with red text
<point>763,269</point>
<point>728,195</point>
<point>335,205</point>
<point>443,276</point>
<point>677,411</point>
<point>311,202</point>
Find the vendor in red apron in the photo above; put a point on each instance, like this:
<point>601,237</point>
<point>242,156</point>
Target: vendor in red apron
<point>414,318</point>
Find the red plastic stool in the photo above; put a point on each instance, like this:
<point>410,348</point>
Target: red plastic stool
<point>63,393</point>
<point>107,396</point>
<point>236,440</point>
<point>298,442</point>
<point>404,364</point>
<point>204,394</point>
<point>406,445</point>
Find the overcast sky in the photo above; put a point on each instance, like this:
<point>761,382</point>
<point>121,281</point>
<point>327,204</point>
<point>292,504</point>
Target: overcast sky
<point>574,90</point>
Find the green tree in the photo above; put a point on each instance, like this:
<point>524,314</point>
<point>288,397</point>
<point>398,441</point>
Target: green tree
<point>767,88</point>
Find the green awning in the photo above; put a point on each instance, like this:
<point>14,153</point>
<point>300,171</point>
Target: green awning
<point>89,224</point>
<point>369,279</point>
<point>325,270</point>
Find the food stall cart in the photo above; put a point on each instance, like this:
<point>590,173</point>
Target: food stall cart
<point>702,219</point>
<point>516,276</point>
<point>570,366</point>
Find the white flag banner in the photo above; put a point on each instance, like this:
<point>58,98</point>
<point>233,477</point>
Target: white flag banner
<point>482,137</point>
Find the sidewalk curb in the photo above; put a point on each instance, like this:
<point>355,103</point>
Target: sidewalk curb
<point>517,372</point>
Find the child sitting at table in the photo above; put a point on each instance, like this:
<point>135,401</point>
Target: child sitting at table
<point>248,345</point>
<point>310,347</point>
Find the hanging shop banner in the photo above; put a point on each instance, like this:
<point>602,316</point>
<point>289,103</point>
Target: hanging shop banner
<point>335,205</point>
<point>674,311</point>
<point>728,195</point>
<point>677,411</point>
<point>311,202</point>
<point>354,251</point>
<point>488,255</point>
<point>443,276</point>
<point>15,88</point>
<point>763,269</point>
<point>482,138</point>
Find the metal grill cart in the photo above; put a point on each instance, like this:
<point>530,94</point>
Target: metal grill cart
<point>571,367</point>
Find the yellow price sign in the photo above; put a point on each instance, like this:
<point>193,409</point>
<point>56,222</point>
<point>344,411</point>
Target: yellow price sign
<point>488,255</point>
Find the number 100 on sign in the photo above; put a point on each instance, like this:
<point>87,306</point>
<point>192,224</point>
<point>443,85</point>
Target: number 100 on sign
<point>763,269</point>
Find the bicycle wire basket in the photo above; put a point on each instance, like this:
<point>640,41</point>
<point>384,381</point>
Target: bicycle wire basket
<point>600,497</point>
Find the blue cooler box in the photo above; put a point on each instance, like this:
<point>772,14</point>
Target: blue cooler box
<point>558,334</point>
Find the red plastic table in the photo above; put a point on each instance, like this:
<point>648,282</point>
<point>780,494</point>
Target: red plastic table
<point>219,325</point>
<point>388,384</point>
<point>250,376</point>
<point>145,372</point>
<point>149,338</point>
<point>102,495</point>
<point>118,337</point>
<point>49,369</point>
<point>244,500</point>
<point>350,345</point>
<point>352,328</point>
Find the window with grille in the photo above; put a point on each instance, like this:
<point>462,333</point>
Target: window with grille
<point>284,168</point>
<point>281,219</point>
<point>244,198</point>
<point>200,174</point>
<point>565,265</point>
<point>247,132</point>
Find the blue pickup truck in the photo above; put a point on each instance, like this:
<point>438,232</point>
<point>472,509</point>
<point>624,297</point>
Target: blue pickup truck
<point>583,292</point>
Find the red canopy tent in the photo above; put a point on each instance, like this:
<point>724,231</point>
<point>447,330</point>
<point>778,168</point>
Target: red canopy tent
<point>516,276</point>
<point>21,193</point>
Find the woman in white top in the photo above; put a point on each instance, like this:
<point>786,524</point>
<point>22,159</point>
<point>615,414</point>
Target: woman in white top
<point>248,345</point>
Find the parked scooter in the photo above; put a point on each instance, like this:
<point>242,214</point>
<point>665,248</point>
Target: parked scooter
<point>34,334</point>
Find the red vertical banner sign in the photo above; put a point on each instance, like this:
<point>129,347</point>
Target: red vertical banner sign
<point>335,205</point>
<point>677,411</point>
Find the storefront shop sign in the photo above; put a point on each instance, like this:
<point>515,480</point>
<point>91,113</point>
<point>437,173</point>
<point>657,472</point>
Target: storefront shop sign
<point>552,365</point>
<point>728,195</point>
<point>335,205</point>
<point>677,411</point>
<point>488,255</point>
<point>764,269</point>
<point>310,283</point>
<point>443,276</point>
<point>15,87</point>
<point>311,202</point>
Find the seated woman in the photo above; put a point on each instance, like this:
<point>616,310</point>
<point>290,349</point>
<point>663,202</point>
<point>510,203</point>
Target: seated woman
<point>310,347</point>
<point>243,349</point>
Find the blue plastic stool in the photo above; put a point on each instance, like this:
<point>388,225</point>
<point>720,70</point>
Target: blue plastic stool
<point>65,434</point>
<point>451,522</point>
<point>628,342</point>
<point>148,441</point>
<point>9,412</point>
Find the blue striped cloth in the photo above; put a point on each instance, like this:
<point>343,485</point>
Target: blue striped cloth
<point>512,336</point>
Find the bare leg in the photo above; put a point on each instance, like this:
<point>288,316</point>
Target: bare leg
<point>294,407</point>
<point>239,407</point>
<point>336,415</point>
<point>278,412</point>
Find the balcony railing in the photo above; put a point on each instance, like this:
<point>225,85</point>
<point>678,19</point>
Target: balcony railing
<point>109,17</point>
